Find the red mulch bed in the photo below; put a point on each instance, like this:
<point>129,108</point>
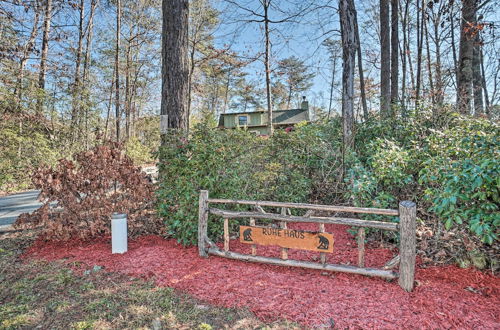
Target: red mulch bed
<point>445,297</point>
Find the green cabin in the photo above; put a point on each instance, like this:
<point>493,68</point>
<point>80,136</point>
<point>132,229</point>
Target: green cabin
<point>256,121</point>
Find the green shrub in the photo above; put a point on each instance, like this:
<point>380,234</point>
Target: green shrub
<point>390,163</point>
<point>21,151</point>
<point>448,164</point>
<point>139,153</point>
<point>236,164</point>
<point>461,176</point>
<point>205,161</point>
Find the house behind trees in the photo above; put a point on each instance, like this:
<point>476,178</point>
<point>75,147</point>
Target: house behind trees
<point>257,121</point>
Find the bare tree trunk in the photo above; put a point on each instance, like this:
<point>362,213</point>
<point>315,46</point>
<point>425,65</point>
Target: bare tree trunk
<point>79,50</point>
<point>190,78</point>
<point>76,97</point>
<point>226,95</point>
<point>439,75</point>
<point>394,54</point>
<point>403,57</point>
<point>385,59</point>
<point>135,117</point>
<point>477,80</point>
<point>483,78</point>
<point>127,91</point>
<point>332,85</point>
<point>117,69</point>
<point>45,51</point>
<point>420,42</point>
<point>453,43</point>
<point>86,63</point>
<point>408,56</point>
<point>360,70</point>
<point>109,104</point>
<point>88,46</point>
<point>18,92</point>
<point>27,49</point>
<point>465,75</point>
<point>347,21</point>
<point>289,96</point>
<point>215,104</point>
<point>266,4</point>
<point>134,109</point>
<point>175,64</point>
<point>432,91</point>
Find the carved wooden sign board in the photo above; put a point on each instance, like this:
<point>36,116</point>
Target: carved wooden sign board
<point>287,238</point>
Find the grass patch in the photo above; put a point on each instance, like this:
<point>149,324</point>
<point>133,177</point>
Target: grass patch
<point>50,295</point>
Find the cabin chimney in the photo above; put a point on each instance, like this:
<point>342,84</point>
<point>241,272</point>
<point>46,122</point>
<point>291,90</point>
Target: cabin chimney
<point>304,105</point>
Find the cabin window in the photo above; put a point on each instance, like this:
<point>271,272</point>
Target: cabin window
<point>242,120</point>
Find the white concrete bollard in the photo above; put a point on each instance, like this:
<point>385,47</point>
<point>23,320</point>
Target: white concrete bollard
<point>118,233</point>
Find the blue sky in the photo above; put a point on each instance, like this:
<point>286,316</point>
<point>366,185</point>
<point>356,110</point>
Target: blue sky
<point>302,39</point>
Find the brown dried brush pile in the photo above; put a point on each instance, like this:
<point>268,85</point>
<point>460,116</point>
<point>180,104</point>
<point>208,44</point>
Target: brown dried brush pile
<point>85,192</point>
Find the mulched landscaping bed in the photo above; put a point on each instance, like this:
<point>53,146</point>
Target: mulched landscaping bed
<point>445,297</point>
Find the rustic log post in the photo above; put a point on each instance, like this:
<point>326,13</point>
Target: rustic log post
<point>322,255</point>
<point>226,234</point>
<point>284,251</point>
<point>361,247</point>
<point>407,245</point>
<point>254,246</point>
<point>202,223</point>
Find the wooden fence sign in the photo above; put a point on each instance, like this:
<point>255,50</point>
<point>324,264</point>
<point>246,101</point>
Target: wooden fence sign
<point>314,241</point>
<point>287,238</point>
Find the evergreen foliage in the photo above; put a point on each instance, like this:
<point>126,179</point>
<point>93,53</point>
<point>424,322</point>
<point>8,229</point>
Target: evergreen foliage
<point>448,166</point>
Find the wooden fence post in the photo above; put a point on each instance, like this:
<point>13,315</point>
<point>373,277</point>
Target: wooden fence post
<point>407,244</point>
<point>254,246</point>
<point>322,255</point>
<point>226,234</point>
<point>361,246</point>
<point>202,223</point>
<point>284,251</point>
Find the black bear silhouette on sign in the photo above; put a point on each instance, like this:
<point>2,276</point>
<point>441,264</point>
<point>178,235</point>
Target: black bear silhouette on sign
<point>324,243</point>
<point>247,235</point>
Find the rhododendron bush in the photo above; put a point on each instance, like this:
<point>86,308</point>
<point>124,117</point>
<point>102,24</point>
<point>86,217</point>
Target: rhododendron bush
<point>80,195</point>
<point>447,163</point>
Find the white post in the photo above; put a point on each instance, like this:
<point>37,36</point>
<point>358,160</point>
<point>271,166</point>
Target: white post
<point>118,233</point>
<point>163,124</point>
